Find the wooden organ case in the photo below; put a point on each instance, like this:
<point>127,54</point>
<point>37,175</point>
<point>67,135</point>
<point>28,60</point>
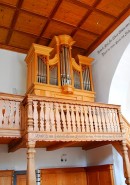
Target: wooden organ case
<point>53,72</point>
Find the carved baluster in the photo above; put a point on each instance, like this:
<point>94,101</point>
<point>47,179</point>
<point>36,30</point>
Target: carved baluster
<point>103,120</point>
<point>47,116</point>
<point>31,175</point>
<point>42,115</point>
<point>95,119</point>
<point>30,125</point>
<point>35,116</point>
<point>51,118</point>
<point>1,112</point>
<point>68,118</point>
<point>126,163</point>
<point>6,114</point>
<point>90,119</point>
<point>117,121</point>
<point>121,122</point>
<point>73,121</point>
<point>17,115</point>
<point>107,120</point>
<point>26,117</point>
<point>110,119</point>
<point>23,117</point>
<point>114,120</point>
<point>12,113</point>
<point>63,118</point>
<point>86,119</point>
<point>77,119</point>
<point>57,117</point>
<point>99,119</point>
<point>82,118</point>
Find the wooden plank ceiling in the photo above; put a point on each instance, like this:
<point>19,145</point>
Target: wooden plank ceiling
<point>89,22</point>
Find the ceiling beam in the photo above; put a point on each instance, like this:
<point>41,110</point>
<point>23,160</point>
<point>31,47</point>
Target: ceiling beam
<point>95,144</point>
<point>15,16</point>
<point>60,145</point>
<point>15,145</point>
<point>84,18</point>
<point>49,19</point>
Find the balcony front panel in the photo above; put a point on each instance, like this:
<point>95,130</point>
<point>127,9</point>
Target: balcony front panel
<point>55,119</point>
<point>10,115</point>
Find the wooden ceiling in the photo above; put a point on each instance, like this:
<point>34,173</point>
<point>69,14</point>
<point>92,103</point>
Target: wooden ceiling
<point>89,22</point>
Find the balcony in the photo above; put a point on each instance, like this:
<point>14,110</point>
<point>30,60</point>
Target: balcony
<point>51,119</point>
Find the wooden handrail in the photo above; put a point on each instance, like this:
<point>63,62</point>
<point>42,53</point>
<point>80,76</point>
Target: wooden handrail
<point>74,102</point>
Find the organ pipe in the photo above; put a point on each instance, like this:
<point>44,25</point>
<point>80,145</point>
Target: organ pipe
<point>42,76</point>
<point>65,65</point>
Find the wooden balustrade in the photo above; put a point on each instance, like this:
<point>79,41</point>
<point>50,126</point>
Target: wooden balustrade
<point>40,114</point>
<point>10,113</point>
<point>51,115</point>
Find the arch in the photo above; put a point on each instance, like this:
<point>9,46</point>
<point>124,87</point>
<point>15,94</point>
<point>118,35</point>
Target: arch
<point>120,86</point>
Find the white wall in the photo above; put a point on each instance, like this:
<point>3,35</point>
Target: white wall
<point>107,57</point>
<point>12,72</point>
<point>118,167</point>
<point>120,86</point>
<point>76,157</point>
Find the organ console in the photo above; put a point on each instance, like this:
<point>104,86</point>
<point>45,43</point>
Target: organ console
<point>53,72</point>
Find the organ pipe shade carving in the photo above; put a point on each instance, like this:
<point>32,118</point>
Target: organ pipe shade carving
<point>52,71</point>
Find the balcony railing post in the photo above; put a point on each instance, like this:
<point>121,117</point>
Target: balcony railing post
<point>126,162</point>
<point>30,125</point>
<point>122,127</point>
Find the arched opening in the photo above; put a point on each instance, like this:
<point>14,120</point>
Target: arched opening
<point>120,87</point>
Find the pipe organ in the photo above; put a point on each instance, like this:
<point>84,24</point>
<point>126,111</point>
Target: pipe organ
<point>53,72</point>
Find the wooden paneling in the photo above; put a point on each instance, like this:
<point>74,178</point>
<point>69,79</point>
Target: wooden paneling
<point>21,40</point>
<point>92,178</point>
<point>39,7</point>
<point>20,179</point>
<point>44,41</point>
<point>42,19</point>
<point>29,23</point>
<point>6,15</point>
<point>113,7</point>
<point>73,176</point>
<point>99,175</point>
<point>70,15</point>
<point>11,2</point>
<point>56,28</point>
<point>3,35</point>
<point>6,177</point>
<point>97,22</point>
<point>88,2</point>
<point>84,39</point>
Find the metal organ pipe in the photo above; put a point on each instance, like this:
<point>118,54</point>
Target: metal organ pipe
<point>65,65</point>
<point>86,79</point>
<point>42,70</point>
